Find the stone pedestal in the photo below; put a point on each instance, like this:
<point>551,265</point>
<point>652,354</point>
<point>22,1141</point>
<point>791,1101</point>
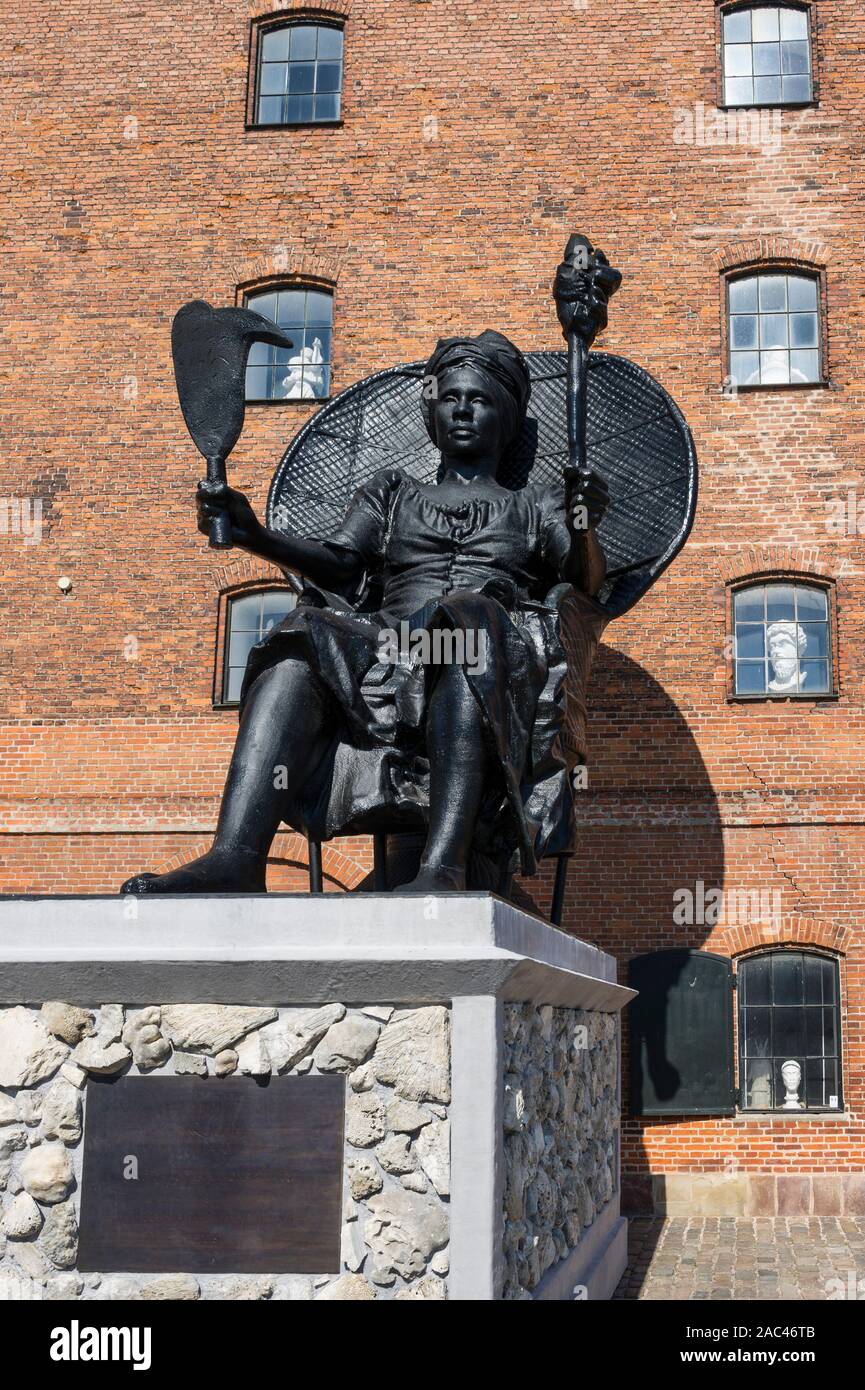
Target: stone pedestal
<point>481,1050</point>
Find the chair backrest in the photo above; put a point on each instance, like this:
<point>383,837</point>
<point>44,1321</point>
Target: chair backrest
<point>637,440</point>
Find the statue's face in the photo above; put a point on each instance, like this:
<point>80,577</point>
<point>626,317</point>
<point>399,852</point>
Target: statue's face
<point>784,652</point>
<point>466,417</point>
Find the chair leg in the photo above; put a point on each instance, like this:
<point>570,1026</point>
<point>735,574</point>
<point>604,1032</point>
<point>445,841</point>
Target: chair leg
<point>379,862</point>
<point>559,889</point>
<point>316,878</point>
<point>506,878</point>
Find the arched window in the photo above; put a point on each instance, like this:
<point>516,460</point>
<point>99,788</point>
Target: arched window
<point>302,372</point>
<point>299,75</point>
<point>249,617</point>
<point>782,643</point>
<point>766,56</point>
<point>774,329</point>
<point>789,1032</point>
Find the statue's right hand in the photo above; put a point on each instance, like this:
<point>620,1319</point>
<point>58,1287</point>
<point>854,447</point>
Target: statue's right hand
<point>218,499</point>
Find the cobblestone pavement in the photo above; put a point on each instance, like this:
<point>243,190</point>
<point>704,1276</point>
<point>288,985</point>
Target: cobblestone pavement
<point>767,1257</point>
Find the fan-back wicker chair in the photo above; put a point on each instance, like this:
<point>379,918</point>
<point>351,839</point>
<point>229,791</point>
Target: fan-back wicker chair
<point>637,441</point>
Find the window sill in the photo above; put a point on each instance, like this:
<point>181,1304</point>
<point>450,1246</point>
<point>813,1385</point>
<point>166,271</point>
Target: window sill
<point>739,388</point>
<point>770,105</point>
<point>294,125</point>
<point>786,1116</point>
<point>296,401</point>
<point>813,699</point>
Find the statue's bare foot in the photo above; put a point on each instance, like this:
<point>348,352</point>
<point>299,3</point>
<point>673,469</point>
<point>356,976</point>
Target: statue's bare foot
<point>436,878</point>
<point>218,871</point>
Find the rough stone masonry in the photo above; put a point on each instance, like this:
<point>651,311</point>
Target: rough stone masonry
<point>560,1118</point>
<point>397,1154</point>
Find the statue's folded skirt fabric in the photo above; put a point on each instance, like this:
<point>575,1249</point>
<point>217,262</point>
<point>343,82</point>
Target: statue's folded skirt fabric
<point>462,585</point>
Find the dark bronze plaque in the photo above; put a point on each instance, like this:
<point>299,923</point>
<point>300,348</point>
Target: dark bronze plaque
<point>232,1176</point>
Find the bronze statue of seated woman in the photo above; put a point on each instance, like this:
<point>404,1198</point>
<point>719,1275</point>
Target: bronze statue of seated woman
<point>344,729</point>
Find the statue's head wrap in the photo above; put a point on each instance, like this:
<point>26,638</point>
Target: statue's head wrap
<point>499,361</point>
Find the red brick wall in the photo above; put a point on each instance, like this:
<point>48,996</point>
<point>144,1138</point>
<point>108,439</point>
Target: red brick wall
<point>129,184</point>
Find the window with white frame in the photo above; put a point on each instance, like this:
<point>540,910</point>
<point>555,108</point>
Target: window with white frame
<point>303,371</point>
<point>789,1032</point>
<point>766,56</point>
<point>249,617</point>
<point>782,643</point>
<point>299,77</point>
<point>774,329</point>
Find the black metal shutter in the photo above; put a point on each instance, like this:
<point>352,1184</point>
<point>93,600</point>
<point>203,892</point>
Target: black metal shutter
<point>681,1034</point>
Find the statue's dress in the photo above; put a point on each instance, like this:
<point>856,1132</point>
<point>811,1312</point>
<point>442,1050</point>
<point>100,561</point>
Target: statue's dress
<point>484,566</point>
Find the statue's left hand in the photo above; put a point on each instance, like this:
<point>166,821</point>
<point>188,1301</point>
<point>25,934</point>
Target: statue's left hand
<point>587,499</point>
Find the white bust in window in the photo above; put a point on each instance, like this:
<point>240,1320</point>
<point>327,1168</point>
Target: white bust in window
<point>305,380</point>
<point>786,645</point>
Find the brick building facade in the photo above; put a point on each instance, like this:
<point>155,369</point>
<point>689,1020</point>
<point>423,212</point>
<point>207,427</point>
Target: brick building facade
<point>472,140</point>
